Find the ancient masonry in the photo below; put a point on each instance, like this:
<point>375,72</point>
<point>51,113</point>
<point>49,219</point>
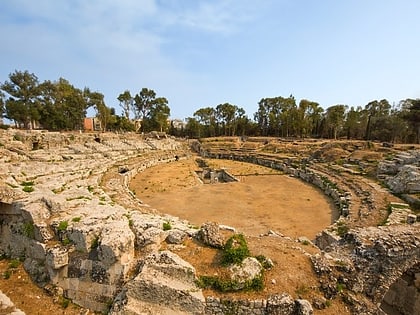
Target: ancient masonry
<point>67,212</point>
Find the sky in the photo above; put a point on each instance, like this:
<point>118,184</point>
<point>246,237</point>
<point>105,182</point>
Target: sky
<point>201,53</point>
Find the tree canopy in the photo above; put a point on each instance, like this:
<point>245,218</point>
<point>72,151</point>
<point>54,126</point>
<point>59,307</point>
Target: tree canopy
<point>58,105</point>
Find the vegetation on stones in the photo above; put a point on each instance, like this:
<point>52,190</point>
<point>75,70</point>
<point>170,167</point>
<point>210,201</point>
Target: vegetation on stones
<point>95,243</point>
<point>235,250</point>
<point>166,226</point>
<point>62,226</point>
<point>28,230</point>
<point>76,219</point>
<point>342,228</point>
<point>27,186</point>
<point>227,285</point>
<point>13,265</point>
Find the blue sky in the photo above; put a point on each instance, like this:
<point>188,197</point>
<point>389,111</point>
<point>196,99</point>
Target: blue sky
<point>200,53</point>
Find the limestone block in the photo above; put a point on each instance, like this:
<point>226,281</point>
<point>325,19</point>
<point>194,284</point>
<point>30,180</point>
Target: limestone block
<point>281,305</point>
<point>210,234</point>
<point>170,264</point>
<point>151,236</point>
<point>57,257</point>
<point>176,237</point>
<point>303,307</point>
<point>116,243</point>
<point>242,273</point>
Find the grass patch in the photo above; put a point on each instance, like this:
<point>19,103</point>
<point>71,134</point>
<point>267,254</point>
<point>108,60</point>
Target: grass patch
<point>14,263</point>
<point>76,219</point>
<point>302,290</point>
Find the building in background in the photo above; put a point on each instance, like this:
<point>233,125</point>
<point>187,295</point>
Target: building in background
<point>92,124</point>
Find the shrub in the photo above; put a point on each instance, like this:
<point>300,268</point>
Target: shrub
<point>266,263</point>
<point>62,226</point>
<point>167,226</point>
<point>76,219</point>
<point>28,189</point>
<point>342,229</point>
<point>227,285</point>
<point>235,250</point>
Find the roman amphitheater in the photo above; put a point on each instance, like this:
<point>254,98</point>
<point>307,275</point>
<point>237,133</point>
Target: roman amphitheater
<point>130,224</point>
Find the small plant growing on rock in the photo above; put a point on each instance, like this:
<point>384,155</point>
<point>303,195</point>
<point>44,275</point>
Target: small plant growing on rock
<point>27,186</point>
<point>62,226</point>
<point>76,219</point>
<point>167,226</point>
<point>342,229</point>
<point>66,241</point>
<point>28,189</point>
<point>95,243</point>
<point>235,250</point>
<point>28,230</point>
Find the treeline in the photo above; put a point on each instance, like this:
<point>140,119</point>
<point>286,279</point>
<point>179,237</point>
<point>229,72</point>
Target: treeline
<point>283,117</point>
<point>58,105</point>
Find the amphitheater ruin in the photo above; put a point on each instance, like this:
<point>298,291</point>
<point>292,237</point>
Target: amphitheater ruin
<point>68,214</point>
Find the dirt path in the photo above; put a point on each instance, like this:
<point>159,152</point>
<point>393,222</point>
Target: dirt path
<point>263,200</point>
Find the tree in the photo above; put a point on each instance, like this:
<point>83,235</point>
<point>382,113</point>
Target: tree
<point>308,117</point>
<point>334,120</point>
<point>354,125</point>
<point>192,129</point>
<point>126,103</point>
<point>143,103</point>
<point>412,116</point>
<point>159,114</point>
<point>228,116</point>
<point>207,118</point>
<point>376,110</point>
<point>1,104</point>
<point>22,104</point>
<point>277,116</point>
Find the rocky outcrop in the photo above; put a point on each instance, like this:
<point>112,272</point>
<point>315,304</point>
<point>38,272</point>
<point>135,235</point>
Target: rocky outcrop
<point>210,235</point>
<point>402,173</point>
<point>164,280</point>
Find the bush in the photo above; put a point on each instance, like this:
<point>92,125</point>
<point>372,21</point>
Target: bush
<point>62,226</point>
<point>28,189</point>
<point>235,250</point>
<point>342,229</point>
<point>167,226</point>
<point>227,285</point>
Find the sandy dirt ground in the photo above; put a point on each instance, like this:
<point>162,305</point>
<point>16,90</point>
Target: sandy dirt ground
<point>261,201</point>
